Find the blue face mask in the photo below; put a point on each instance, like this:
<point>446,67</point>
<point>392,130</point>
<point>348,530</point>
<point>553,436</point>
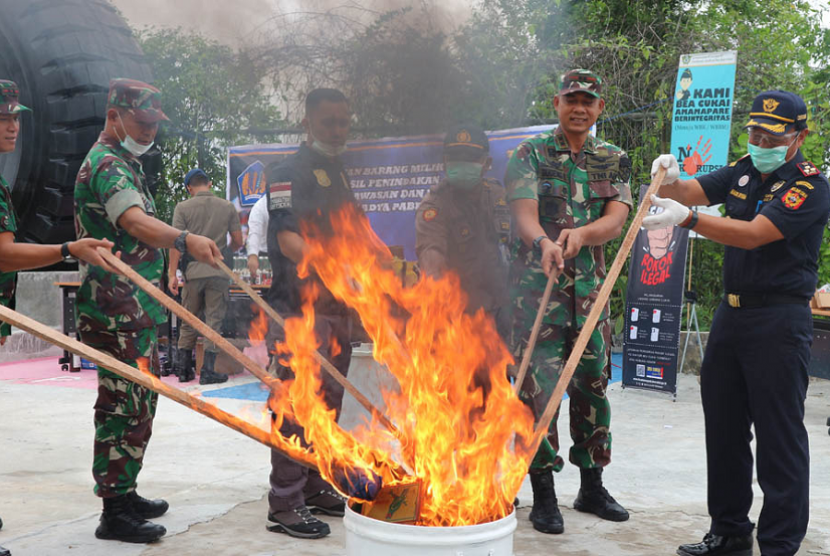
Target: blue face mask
<point>464,176</point>
<point>768,160</point>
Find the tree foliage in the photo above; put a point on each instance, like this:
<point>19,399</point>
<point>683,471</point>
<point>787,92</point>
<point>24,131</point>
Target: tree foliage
<point>214,96</point>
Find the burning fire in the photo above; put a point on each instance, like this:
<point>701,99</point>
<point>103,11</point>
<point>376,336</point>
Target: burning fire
<point>463,431</point>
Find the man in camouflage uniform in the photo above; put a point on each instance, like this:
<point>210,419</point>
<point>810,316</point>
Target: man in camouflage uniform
<point>464,221</point>
<point>112,202</point>
<point>569,194</point>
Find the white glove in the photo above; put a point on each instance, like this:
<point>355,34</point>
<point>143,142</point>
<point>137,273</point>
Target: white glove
<point>669,162</point>
<point>673,213</point>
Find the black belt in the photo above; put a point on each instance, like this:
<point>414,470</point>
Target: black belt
<point>751,301</point>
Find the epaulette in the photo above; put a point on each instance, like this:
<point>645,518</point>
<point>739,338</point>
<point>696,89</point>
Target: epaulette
<point>734,162</point>
<point>807,168</point>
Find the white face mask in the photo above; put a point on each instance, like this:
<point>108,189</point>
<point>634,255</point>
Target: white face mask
<point>325,149</point>
<point>131,145</point>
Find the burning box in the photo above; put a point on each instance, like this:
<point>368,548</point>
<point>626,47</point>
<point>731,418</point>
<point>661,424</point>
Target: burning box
<point>395,504</point>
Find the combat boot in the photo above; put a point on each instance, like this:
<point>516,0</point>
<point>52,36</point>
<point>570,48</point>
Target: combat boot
<point>184,365</point>
<point>594,499</point>
<point>208,375</point>
<point>4,551</point>
<point>148,509</point>
<point>120,522</point>
<point>545,515</point>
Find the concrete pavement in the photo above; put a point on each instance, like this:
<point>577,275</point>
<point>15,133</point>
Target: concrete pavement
<point>216,479</point>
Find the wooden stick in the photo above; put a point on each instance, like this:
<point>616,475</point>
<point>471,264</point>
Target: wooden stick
<point>534,333</point>
<point>596,311</point>
<point>191,319</point>
<point>146,380</point>
<point>324,363</point>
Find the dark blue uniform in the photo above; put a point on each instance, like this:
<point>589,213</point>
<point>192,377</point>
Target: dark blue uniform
<point>755,368</point>
<point>305,187</point>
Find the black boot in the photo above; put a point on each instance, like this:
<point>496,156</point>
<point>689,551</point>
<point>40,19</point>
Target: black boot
<point>148,509</point>
<point>716,545</point>
<point>545,515</point>
<point>4,551</point>
<point>120,522</point>
<point>184,365</point>
<point>594,499</point>
<point>298,523</point>
<point>208,376</point>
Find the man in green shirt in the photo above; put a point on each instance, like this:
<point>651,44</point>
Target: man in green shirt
<point>115,316</point>
<point>569,194</point>
<point>205,288</point>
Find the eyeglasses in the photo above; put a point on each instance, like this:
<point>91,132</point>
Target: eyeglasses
<point>764,139</point>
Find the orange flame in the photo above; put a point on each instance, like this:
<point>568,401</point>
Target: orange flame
<point>464,429</point>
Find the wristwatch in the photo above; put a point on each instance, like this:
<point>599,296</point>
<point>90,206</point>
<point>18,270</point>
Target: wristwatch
<point>67,256</point>
<point>181,242</point>
<point>537,243</point>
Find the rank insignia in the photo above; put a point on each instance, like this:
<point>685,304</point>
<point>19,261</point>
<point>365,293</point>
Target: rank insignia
<point>777,185</point>
<point>807,168</point>
<point>805,184</point>
<point>322,178</point>
<point>430,214</point>
<point>794,198</point>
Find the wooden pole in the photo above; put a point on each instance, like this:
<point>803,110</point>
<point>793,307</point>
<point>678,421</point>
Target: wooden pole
<point>324,363</point>
<point>534,333</point>
<point>148,381</point>
<point>191,319</point>
<point>596,310</point>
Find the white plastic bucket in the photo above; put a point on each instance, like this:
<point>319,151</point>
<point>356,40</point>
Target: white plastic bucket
<point>369,537</point>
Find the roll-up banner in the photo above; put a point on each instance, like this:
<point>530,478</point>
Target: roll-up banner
<point>702,115</point>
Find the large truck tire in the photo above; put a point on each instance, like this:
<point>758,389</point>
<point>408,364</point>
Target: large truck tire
<point>62,54</point>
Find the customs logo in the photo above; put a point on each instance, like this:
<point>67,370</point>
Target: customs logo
<point>463,137</point>
<point>430,214</point>
<point>251,184</point>
<point>770,104</point>
<point>794,198</point>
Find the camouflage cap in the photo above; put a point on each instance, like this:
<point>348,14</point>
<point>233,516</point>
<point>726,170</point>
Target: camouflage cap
<point>466,140</point>
<point>142,100</point>
<point>778,112</point>
<point>9,94</point>
<point>581,81</point>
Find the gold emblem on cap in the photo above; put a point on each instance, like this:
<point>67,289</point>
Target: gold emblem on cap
<point>770,104</point>
<point>322,178</point>
<point>463,137</point>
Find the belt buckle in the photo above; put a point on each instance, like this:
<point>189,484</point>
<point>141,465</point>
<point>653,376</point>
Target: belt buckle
<point>734,300</point>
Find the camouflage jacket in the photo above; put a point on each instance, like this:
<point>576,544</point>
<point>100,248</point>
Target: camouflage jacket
<point>465,234</point>
<point>572,190</point>
<point>8,223</point>
<point>111,181</point>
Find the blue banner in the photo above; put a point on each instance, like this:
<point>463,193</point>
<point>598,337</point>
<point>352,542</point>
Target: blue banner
<point>389,176</point>
<point>702,115</point>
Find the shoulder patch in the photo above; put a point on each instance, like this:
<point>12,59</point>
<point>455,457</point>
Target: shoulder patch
<point>430,214</point>
<point>807,168</point>
<point>523,151</point>
<point>794,198</point>
<point>322,178</point>
<point>734,162</point>
<point>279,195</point>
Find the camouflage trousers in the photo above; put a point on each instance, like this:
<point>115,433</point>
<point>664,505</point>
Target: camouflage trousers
<point>590,412</point>
<point>124,410</point>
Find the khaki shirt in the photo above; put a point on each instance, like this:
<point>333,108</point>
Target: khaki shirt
<point>207,215</point>
<point>463,234</point>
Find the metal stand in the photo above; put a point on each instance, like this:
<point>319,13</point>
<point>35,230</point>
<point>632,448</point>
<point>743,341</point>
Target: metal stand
<point>691,299</point>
